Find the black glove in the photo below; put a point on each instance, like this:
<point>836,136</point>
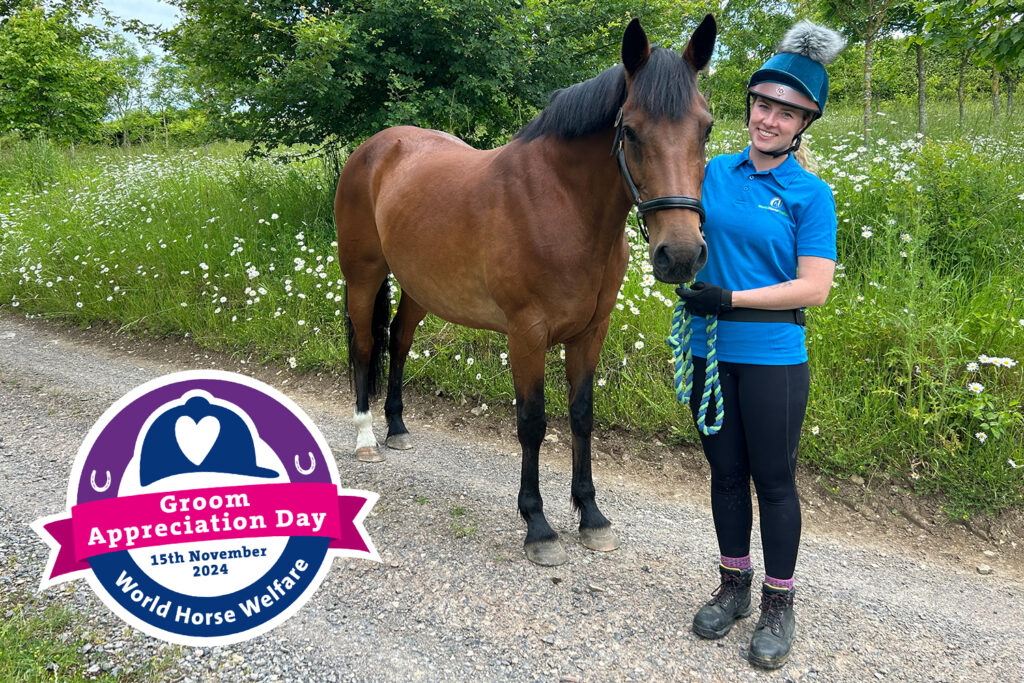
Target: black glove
<point>704,299</point>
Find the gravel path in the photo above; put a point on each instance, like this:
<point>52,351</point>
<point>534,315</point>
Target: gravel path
<point>455,598</point>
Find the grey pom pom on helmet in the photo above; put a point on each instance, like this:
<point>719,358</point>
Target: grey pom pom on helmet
<point>798,68</point>
<point>815,42</point>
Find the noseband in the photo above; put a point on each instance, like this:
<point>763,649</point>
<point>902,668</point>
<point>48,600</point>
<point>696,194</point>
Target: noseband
<point>672,201</point>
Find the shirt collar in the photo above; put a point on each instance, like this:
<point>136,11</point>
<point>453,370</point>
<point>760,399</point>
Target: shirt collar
<point>783,173</point>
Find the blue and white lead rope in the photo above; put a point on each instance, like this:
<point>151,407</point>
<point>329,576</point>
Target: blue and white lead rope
<point>682,356</point>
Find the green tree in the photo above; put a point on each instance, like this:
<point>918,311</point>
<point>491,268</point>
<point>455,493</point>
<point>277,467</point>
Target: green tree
<point>283,73</point>
<point>130,80</point>
<point>171,91</point>
<point>52,83</point>
<point>748,31</point>
<point>865,21</point>
<point>991,30</point>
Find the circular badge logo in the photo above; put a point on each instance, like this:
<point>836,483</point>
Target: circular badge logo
<point>204,508</point>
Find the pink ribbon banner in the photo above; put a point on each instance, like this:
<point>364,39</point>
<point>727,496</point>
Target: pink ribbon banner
<point>213,514</point>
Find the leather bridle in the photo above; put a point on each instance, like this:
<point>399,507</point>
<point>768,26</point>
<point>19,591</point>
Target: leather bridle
<point>673,201</point>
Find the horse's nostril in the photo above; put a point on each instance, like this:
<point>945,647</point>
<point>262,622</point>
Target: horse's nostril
<point>702,258</point>
<point>661,261</point>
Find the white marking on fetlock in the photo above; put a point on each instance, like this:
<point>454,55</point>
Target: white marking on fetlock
<point>364,430</point>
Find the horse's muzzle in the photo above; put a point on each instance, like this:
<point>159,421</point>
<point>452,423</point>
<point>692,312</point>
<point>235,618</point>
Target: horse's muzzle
<point>676,264</point>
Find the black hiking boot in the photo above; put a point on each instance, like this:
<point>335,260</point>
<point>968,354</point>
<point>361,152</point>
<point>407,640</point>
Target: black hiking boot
<point>729,602</point>
<point>776,629</point>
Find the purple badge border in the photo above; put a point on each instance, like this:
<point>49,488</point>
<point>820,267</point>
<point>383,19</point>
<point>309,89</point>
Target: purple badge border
<point>276,424</point>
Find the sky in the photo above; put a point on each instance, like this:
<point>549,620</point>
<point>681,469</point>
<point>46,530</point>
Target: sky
<point>149,11</point>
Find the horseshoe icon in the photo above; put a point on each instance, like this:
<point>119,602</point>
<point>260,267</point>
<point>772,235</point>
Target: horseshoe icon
<point>100,489</point>
<point>301,469</point>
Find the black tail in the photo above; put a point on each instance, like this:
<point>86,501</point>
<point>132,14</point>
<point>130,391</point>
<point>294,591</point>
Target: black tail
<point>379,327</point>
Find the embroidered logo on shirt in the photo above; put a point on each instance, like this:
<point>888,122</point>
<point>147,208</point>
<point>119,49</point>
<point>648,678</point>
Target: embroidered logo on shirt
<point>774,205</point>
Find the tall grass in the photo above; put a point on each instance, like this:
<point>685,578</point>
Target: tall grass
<point>239,255</point>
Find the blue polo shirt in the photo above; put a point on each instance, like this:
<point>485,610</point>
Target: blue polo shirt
<point>758,223</point>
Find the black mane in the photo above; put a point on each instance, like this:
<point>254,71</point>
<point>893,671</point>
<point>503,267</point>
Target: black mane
<point>663,87</point>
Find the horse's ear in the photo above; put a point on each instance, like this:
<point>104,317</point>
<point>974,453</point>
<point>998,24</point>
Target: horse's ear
<point>635,47</point>
<point>702,44</point>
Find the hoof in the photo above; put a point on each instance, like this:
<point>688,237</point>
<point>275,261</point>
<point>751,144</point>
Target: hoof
<point>600,538</point>
<point>399,442</point>
<point>547,553</point>
<point>369,454</point>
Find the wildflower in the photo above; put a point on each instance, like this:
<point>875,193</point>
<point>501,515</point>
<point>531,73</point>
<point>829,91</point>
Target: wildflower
<point>252,272</point>
<point>866,233</point>
<point>291,361</point>
<point>302,322</point>
<point>972,367</point>
<point>905,237</point>
<point>184,304</point>
<point>273,216</point>
<point>975,387</point>
<point>601,382</point>
<point>479,376</point>
<point>815,430</point>
<point>857,187</point>
<point>639,345</point>
<point>1012,463</point>
<point>915,476</point>
<point>903,254</point>
<point>561,354</point>
<point>470,361</point>
<point>204,266</point>
<point>458,356</point>
<point>981,436</point>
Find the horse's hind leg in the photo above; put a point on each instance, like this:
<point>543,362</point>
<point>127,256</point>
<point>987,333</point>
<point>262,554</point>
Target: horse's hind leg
<point>403,328</point>
<point>368,306</point>
<point>527,356</point>
<point>581,357</point>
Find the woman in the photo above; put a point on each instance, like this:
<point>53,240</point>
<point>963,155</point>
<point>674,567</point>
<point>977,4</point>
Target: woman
<point>771,235</point>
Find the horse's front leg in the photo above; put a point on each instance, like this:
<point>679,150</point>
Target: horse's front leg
<point>526,354</point>
<point>581,357</point>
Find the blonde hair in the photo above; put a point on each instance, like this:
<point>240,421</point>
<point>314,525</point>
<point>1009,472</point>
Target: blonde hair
<point>804,157</point>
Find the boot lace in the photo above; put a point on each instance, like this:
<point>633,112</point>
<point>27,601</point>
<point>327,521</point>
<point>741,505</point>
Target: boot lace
<point>727,590</point>
<point>773,605</point>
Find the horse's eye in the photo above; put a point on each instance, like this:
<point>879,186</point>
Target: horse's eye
<point>707,133</point>
<point>630,134</point>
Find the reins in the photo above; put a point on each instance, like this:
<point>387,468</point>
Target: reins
<point>682,357</point>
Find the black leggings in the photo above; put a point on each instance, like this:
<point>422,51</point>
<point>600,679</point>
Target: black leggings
<point>764,412</point>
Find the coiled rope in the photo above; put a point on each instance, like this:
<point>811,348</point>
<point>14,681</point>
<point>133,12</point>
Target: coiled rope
<point>682,357</point>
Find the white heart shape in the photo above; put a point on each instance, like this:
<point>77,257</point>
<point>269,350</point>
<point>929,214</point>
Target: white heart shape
<point>196,440</point>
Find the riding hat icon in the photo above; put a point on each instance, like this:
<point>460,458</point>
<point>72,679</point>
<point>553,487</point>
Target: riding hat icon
<point>198,436</point>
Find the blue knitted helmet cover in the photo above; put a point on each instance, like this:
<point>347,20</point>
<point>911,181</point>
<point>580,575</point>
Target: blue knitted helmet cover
<point>799,72</point>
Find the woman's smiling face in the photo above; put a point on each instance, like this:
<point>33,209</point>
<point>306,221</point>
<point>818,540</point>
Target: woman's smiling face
<point>773,125</point>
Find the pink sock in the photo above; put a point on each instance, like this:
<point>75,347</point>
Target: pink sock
<point>736,562</point>
<point>784,584</point>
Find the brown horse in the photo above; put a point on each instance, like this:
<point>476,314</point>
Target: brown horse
<point>528,240</point>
